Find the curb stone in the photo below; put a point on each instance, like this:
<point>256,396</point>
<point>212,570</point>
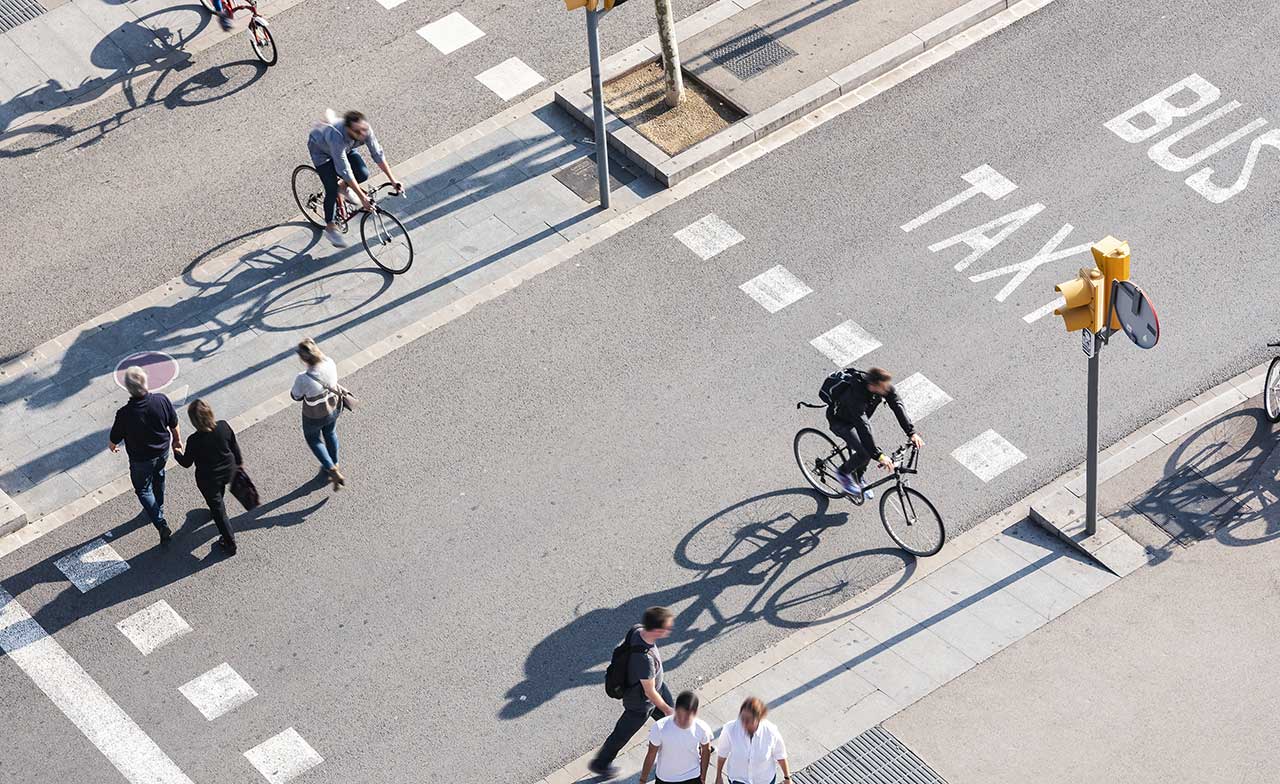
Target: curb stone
<point>671,169</point>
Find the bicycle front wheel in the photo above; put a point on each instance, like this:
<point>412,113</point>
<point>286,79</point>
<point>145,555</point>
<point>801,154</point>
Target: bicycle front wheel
<point>308,191</point>
<point>912,521</point>
<point>818,456</point>
<point>386,241</point>
<point>1271,392</point>
<point>264,46</point>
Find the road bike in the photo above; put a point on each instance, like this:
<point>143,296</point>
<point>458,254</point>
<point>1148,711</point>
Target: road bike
<point>908,516</point>
<point>384,237</point>
<point>264,45</point>
<point>1271,389</point>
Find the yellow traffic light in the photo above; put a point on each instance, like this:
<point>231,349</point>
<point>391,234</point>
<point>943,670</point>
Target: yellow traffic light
<point>1085,301</point>
<point>573,5</point>
<point>1112,257</point>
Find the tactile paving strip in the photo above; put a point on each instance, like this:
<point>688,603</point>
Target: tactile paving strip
<point>874,757</point>
<point>750,54</point>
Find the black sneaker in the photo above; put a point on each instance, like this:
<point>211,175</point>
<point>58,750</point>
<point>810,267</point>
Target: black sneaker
<point>165,533</point>
<point>605,772</point>
<point>228,545</point>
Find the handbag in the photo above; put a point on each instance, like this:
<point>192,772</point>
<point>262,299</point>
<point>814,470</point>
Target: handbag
<point>347,400</point>
<point>243,489</point>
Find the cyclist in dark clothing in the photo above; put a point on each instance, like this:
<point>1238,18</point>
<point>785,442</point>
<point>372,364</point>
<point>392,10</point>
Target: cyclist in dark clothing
<point>849,416</point>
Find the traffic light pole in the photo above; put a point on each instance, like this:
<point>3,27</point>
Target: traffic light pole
<point>1091,461</point>
<point>597,93</point>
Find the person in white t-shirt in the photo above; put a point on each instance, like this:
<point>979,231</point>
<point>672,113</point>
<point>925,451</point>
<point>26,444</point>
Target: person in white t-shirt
<point>680,744</point>
<point>321,395</point>
<point>750,749</point>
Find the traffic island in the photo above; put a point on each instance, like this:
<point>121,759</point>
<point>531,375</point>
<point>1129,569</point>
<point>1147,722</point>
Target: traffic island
<point>754,66</point>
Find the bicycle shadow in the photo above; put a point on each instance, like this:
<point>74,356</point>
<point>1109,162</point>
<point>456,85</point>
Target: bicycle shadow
<point>152,47</point>
<point>746,564</point>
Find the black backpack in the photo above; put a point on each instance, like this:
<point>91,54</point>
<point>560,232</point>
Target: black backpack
<point>615,675</point>
<point>834,384</point>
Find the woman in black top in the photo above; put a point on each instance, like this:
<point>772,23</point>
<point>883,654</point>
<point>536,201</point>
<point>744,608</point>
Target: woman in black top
<point>216,455</point>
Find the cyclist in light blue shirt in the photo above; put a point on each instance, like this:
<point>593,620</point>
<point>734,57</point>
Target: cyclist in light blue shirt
<point>332,148</point>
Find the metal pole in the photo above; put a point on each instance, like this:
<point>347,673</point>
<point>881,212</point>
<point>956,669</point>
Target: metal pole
<point>1091,462</point>
<point>597,93</point>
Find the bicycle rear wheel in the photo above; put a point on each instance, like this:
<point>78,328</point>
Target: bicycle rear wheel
<point>308,191</point>
<point>912,521</point>
<point>386,241</point>
<point>815,452</point>
<point>264,46</point>
<point>1271,392</point>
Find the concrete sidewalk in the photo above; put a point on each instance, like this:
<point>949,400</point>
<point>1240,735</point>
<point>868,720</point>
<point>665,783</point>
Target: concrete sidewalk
<point>1168,676</point>
<point>64,54</point>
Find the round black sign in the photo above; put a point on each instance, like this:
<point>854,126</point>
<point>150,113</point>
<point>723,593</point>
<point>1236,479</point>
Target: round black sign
<point>1137,316</point>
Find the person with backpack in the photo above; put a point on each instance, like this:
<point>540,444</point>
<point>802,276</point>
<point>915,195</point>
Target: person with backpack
<point>635,676</point>
<point>852,396</point>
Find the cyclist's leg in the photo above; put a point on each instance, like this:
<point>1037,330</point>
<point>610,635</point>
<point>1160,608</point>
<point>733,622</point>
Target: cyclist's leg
<point>329,176</point>
<point>361,172</point>
<point>224,18</point>
<point>858,460</point>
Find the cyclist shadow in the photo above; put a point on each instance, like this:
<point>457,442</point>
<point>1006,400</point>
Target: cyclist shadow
<point>743,560</point>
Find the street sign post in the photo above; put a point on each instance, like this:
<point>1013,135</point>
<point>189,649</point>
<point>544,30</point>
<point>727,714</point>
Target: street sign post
<point>597,104</point>
<point>1101,302</point>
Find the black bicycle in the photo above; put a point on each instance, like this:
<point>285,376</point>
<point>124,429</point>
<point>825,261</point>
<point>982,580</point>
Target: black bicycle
<point>385,238</point>
<point>910,519</point>
<point>1271,391</point>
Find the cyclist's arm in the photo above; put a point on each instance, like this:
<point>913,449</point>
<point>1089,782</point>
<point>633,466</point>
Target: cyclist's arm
<point>900,411</point>
<point>379,156</point>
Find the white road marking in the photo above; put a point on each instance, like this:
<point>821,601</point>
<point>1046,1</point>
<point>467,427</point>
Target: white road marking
<point>91,565</point>
<point>980,243</point>
<point>283,757</point>
<point>389,4</point>
<point>775,288</point>
<point>846,343</point>
<point>708,236</point>
<point>219,691</point>
<point>153,627</point>
<point>984,179</point>
<point>1161,111</point>
<point>450,33</point>
<point>1044,310</point>
<point>1023,269</point>
<point>920,396</point>
<point>988,455</point>
<point>510,78</point>
<point>1161,153</point>
<point>82,700</point>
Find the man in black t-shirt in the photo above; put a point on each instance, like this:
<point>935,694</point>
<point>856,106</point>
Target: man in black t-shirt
<point>647,693</point>
<point>147,425</point>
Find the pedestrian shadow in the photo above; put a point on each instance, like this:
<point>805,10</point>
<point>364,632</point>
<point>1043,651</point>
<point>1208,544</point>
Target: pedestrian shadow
<point>757,544</point>
<point>272,289</point>
<point>156,567</point>
<point>1222,481</point>
<point>156,45</point>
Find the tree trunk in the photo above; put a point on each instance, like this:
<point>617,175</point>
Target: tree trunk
<point>670,52</point>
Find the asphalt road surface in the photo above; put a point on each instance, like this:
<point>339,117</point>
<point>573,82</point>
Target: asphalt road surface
<point>616,433</point>
<point>127,193</point>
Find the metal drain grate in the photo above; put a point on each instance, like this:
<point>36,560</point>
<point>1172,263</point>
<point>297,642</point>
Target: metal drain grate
<point>15,12</point>
<point>874,757</point>
<point>750,54</point>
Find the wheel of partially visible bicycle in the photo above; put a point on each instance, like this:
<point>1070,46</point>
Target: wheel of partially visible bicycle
<point>912,521</point>
<point>1271,392</point>
<point>308,191</point>
<point>386,240</point>
<point>264,46</point>
<point>814,453</point>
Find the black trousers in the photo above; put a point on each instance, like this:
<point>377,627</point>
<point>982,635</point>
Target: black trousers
<point>686,781</point>
<point>630,722</point>
<point>214,491</point>
<point>856,465</point>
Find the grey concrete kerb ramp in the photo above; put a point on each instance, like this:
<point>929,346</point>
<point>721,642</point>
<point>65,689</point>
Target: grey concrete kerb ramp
<point>1061,509</point>
<point>788,90</point>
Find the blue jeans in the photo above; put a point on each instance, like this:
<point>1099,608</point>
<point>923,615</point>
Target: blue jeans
<point>322,436</point>
<point>148,483</point>
<point>329,176</point>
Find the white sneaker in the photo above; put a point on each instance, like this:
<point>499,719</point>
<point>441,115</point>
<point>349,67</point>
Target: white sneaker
<point>336,239</point>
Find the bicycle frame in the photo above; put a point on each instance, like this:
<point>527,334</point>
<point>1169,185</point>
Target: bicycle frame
<point>345,216</point>
<point>232,6</point>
